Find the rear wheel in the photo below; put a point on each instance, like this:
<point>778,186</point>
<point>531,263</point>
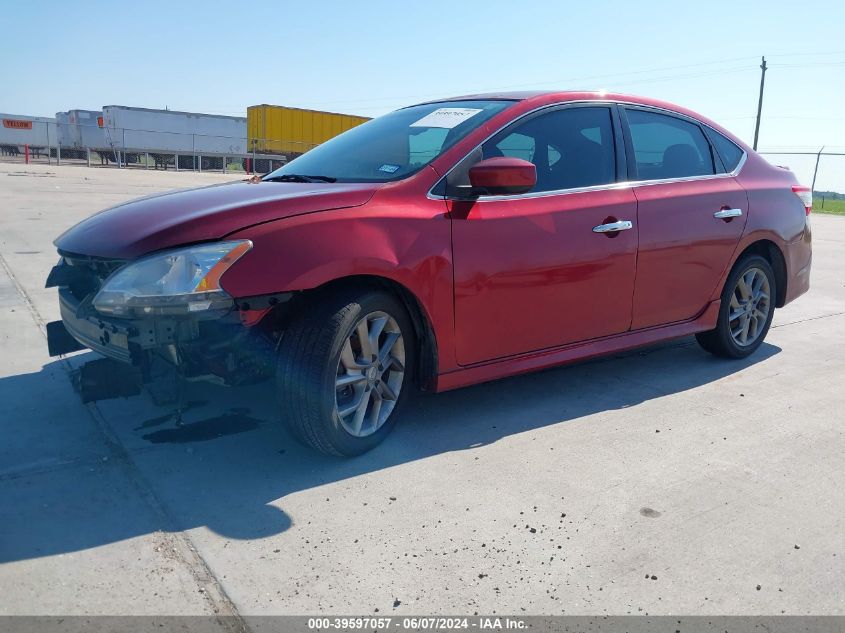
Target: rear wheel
<point>343,370</point>
<point>746,310</point>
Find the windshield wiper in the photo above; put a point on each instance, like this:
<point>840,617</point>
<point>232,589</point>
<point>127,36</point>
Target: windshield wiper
<point>299,178</point>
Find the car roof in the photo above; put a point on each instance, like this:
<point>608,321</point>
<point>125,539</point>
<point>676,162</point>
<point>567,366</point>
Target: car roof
<point>544,97</point>
<point>559,95</point>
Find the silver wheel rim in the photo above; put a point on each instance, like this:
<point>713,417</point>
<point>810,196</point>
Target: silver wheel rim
<point>370,373</point>
<point>749,307</point>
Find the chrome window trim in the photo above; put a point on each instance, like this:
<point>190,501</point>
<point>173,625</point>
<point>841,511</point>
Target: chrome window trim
<point>603,187</point>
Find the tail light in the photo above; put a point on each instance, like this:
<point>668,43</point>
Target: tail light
<point>806,196</point>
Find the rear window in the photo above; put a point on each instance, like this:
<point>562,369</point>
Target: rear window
<point>668,147</point>
<point>728,151</point>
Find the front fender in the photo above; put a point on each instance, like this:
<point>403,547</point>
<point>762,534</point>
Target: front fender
<point>410,246</point>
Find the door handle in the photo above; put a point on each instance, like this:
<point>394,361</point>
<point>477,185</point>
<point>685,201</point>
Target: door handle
<point>613,227</point>
<point>724,214</point>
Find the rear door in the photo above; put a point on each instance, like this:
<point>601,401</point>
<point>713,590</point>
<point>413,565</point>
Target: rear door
<point>535,271</point>
<point>690,216</point>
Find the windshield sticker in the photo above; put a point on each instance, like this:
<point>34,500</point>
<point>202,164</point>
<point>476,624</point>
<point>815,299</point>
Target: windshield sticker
<point>446,117</point>
<point>390,169</point>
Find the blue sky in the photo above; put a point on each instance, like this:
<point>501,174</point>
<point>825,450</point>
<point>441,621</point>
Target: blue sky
<point>369,57</point>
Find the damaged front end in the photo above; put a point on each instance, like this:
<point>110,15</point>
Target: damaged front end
<point>166,311</point>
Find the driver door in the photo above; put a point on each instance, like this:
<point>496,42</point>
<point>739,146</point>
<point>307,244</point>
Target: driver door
<point>531,271</point>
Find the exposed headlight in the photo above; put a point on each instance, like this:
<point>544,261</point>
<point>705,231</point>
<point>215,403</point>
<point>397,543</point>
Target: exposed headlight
<point>178,282</point>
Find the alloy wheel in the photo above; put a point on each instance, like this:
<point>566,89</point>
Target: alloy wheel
<point>370,373</point>
<point>749,307</point>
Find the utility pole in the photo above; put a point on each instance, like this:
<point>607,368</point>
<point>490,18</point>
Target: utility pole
<point>760,102</point>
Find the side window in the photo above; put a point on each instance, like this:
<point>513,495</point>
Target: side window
<point>571,147</point>
<point>668,147</point>
<point>515,145</point>
<point>728,151</point>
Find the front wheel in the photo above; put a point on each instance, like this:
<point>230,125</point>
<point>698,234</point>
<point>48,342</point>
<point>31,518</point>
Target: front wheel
<point>343,369</point>
<point>746,310</point>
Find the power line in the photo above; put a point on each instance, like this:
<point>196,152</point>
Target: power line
<point>809,65</point>
<point>683,76</point>
<point>569,80</point>
<point>401,100</point>
<point>404,99</point>
<point>804,118</point>
<point>807,54</point>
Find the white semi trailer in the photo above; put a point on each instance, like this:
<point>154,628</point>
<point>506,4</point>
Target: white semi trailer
<point>18,130</point>
<point>79,131</point>
<point>86,129</point>
<point>126,134</point>
<point>64,132</point>
<point>147,130</point>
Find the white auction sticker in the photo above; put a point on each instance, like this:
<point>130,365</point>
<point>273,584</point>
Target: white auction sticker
<point>446,117</point>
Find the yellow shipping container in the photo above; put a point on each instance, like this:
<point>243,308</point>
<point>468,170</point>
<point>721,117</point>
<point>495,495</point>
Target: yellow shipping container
<point>293,131</point>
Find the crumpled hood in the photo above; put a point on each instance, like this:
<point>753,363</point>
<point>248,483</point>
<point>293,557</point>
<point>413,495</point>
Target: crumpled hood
<point>195,215</point>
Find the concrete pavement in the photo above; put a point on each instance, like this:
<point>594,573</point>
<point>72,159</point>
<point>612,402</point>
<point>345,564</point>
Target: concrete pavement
<point>661,481</point>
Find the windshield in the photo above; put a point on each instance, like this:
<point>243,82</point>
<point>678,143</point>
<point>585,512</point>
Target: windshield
<point>393,146</point>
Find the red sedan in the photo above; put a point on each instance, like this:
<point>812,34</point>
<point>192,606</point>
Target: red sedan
<point>442,245</point>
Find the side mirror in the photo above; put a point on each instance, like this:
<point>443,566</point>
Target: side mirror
<point>503,176</point>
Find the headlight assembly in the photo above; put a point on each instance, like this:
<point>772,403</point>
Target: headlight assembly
<point>184,281</point>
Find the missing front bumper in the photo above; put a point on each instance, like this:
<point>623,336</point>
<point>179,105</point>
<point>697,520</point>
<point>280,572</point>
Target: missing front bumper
<point>238,348</point>
<point>123,340</point>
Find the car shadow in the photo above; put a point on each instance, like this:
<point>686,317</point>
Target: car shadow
<point>77,477</point>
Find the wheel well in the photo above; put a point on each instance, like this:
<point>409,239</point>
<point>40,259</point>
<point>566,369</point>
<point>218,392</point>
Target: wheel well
<point>770,251</point>
<point>426,341</point>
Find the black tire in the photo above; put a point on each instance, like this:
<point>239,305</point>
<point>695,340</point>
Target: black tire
<point>307,366</point>
<point>719,341</point>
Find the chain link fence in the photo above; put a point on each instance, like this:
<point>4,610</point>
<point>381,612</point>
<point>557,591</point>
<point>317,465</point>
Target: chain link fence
<point>52,143</point>
<point>823,169</point>
<point>92,145</point>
